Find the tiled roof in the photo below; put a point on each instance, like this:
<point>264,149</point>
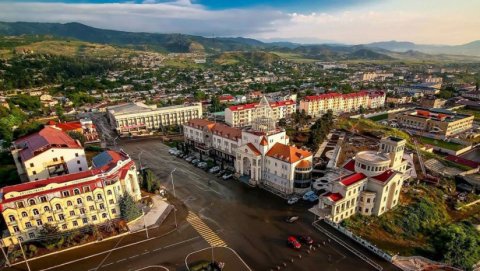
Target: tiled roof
<point>253,149</point>
<point>333,196</point>
<point>350,165</point>
<point>385,176</point>
<point>48,137</point>
<point>463,161</point>
<point>352,179</point>
<point>264,141</point>
<point>105,168</point>
<point>304,164</point>
<point>287,153</point>
<point>68,126</point>
<point>226,131</point>
<point>201,123</point>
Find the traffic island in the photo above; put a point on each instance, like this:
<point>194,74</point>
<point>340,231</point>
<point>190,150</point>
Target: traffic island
<point>215,259</point>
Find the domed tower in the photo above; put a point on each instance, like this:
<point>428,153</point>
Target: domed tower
<point>393,147</point>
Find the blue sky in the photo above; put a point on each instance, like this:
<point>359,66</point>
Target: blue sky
<point>307,21</point>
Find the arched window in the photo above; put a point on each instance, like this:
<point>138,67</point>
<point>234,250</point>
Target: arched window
<point>46,209</point>
<point>24,214</point>
<point>11,218</point>
<point>35,212</point>
<point>99,196</point>
<point>31,202</point>
<point>79,201</point>
<point>89,198</point>
<point>69,203</point>
<point>58,206</point>
<point>109,192</point>
<point>104,215</point>
<point>76,191</point>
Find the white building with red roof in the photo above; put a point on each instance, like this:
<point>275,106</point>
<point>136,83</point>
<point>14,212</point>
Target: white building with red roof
<point>48,153</point>
<point>369,184</point>
<point>243,115</point>
<point>69,201</point>
<point>264,157</point>
<point>338,103</point>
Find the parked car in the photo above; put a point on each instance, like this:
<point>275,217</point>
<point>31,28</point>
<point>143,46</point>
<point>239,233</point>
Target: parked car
<point>292,200</point>
<point>220,173</point>
<point>307,195</point>
<point>227,176</point>
<point>214,169</point>
<point>172,150</point>
<point>189,158</point>
<point>179,154</point>
<point>305,239</point>
<point>195,161</point>
<point>293,243</point>
<point>291,219</point>
<point>202,165</point>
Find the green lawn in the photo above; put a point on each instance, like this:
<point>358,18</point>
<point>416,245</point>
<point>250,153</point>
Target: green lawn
<point>440,143</point>
<point>379,117</point>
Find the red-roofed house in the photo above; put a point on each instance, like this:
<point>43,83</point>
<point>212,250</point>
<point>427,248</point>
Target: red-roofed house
<point>226,98</point>
<point>48,153</point>
<point>69,201</point>
<point>83,126</point>
<point>369,184</point>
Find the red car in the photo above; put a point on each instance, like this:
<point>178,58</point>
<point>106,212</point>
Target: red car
<point>293,243</point>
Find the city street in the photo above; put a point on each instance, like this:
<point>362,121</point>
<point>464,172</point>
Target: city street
<point>246,219</point>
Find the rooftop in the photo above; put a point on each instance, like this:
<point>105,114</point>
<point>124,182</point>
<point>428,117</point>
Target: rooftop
<point>333,196</point>
<point>371,156</point>
<point>135,108</point>
<point>352,179</point>
<point>287,153</point>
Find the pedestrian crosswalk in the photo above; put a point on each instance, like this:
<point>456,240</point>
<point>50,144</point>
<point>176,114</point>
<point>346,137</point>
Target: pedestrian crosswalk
<point>210,236</point>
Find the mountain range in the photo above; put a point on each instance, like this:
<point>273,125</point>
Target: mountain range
<point>181,43</point>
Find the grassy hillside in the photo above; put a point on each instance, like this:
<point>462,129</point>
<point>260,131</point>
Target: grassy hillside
<point>254,57</point>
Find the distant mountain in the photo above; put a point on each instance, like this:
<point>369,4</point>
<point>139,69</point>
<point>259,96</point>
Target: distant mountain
<point>470,49</point>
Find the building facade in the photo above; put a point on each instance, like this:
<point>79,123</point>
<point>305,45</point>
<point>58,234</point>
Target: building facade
<point>433,122</point>
<point>138,118</point>
<point>318,105</point>
<point>48,153</point>
<point>243,115</point>
<point>370,184</point>
<point>69,201</point>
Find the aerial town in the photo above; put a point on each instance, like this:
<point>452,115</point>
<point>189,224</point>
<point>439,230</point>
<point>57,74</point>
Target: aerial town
<point>183,152</point>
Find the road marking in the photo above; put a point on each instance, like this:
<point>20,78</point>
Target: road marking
<point>121,260</point>
<point>210,236</point>
<point>107,264</point>
<point>131,257</point>
<point>146,252</point>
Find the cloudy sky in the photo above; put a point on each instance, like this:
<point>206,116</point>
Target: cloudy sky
<point>309,21</point>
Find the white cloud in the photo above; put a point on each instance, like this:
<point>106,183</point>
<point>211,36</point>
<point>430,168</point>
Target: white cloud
<point>431,21</point>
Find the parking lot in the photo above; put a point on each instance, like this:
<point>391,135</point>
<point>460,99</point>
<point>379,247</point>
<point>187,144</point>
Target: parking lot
<point>250,220</point>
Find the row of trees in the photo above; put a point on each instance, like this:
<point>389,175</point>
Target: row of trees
<point>320,130</point>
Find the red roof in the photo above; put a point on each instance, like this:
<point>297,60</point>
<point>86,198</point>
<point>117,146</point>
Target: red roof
<point>333,196</point>
<point>226,98</point>
<point>47,138</point>
<point>385,176</point>
<point>219,129</point>
<point>264,141</point>
<point>463,161</point>
<point>336,95</point>
<point>350,165</point>
<point>352,179</point>
<point>253,149</point>
<point>68,126</point>
<point>287,153</point>
<point>253,105</point>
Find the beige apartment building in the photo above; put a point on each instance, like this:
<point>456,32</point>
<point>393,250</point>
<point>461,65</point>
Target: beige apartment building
<point>243,115</point>
<point>439,123</point>
<point>338,103</point>
<point>138,118</point>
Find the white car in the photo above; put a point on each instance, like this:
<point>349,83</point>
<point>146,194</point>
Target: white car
<point>292,200</point>
<point>227,176</point>
<point>214,169</point>
<point>172,150</point>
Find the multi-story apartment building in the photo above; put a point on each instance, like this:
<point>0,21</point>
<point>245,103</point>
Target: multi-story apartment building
<point>69,201</point>
<point>439,123</point>
<point>370,184</point>
<point>138,118</point>
<point>48,153</point>
<point>340,103</point>
<point>212,138</point>
<point>243,115</point>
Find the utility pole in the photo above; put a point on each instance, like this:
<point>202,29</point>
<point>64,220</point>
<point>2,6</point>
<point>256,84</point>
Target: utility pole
<point>175,195</point>
<point>140,159</point>
<point>24,256</point>
<point>144,223</point>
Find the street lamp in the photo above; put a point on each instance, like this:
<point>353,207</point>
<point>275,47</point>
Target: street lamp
<point>115,142</point>
<point>175,195</point>
<point>140,159</point>
<point>144,223</point>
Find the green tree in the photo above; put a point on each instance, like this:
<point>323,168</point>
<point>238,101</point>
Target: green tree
<point>129,209</point>
<point>150,181</point>
<point>77,136</point>
<point>60,112</point>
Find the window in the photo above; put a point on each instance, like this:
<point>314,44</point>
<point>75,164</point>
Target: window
<point>58,206</point>
<point>91,208</point>
<point>16,229</point>
<point>43,199</point>
<point>75,223</point>
<point>39,222</point>
<point>11,218</point>
<point>86,189</point>
<point>64,226</point>
<point>28,225</point>
<point>101,206</point>
<point>111,201</point>
<point>89,198</point>
<point>69,203</point>
<point>24,214</point>
<point>72,213</point>
<point>99,196</point>
<point>82,211</point>
<point>66,193</point>
<point>61,217</point>
<point>94,217</point>
<point>20,204</point>
<point>109,192</point>
<point>31,165</point>
<point>114,211</point>
<point>31,202</point>
<point>104,215</point>
<point>61,158</point>
<point>76,154</point>
<point>85,220</point>
<point>34,172</point>
<point>55,159</point>
<point>78,162</point>
<point>46,209</point>
<point>35,212</point>
<point>31,235</point>
<point>79,169</point>
<point>76,191</point>
<point>50,219</point>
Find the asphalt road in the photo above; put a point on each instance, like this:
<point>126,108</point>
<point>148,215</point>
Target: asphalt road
<point>249,220</point>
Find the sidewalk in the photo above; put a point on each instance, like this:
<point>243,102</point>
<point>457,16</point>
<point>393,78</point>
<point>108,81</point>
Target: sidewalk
<point>153,217</point>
